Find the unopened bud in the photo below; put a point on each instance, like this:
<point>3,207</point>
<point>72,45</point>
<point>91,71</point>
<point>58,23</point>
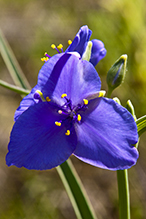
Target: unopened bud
<point>116,74</point>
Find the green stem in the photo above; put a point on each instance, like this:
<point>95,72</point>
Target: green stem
<point>123,187</point>
<point>124,198</point>
<point>109,92</point>
<point>76,192</point>
<point>14,88</point>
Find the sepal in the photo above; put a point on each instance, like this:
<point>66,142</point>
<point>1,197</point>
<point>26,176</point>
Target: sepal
<point>130,108</point>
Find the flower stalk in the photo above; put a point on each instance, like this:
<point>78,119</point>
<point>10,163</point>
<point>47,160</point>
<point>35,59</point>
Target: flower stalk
<point>123,191</point>
<point>123,185</point>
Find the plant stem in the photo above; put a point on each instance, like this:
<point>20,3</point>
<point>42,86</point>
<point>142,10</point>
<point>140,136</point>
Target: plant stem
<point>124,198</point>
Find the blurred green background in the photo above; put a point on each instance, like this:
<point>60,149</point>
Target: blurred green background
<point>30,27</point>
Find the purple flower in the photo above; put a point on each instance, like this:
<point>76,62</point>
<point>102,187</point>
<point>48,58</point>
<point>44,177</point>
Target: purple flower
<point>64,115</point>
<point>80,42</point>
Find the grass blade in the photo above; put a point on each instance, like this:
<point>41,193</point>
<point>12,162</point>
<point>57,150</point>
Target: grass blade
<point>141,125</point>
<point>12,64</point>
<point>14,88</point>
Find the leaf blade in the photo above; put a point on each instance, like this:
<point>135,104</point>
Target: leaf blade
<point>141,125</point>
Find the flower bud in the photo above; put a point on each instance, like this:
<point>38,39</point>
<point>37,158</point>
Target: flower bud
<point>116,74</point>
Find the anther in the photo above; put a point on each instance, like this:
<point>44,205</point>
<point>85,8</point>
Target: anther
<point>44,59</point>
<point>63,95</point>
<point>54,47</point>
<point>78,117</point>
<point>60,46</point>
<point>85,101</point>
<point>40,95</point>
<point>46,54</point>
<point>69,42</point>
<point>67,132</point>
<point>60,111</point>
<point>58,123</point>
<point>48,99</point>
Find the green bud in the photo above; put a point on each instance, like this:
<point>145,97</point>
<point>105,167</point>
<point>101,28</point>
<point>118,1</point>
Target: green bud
<point>116,74</point>
<point>87,54</point>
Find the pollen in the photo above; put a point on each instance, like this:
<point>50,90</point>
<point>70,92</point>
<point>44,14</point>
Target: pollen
<point>63,95</point>
<point>44,59</point>
<point>79,117</point>
<point>53,46</point>
<point>67,132</point>
<point>58,123</point>
<point>60,111</point>
<point>48,99</point>
<point>60,46</point>
<point>69,42</point>
<point>85,101</point>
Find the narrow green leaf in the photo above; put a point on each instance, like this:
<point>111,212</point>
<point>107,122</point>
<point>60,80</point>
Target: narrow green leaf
<point>76,191</point>
<point>14,88</point>
<point>12,64</point>
<point>141,125</point>
<point>67,173</point>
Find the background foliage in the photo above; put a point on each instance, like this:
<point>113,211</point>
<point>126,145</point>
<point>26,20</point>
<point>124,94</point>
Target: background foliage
<point>30,27</point>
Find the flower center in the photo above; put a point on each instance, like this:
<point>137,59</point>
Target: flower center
<point>71,112</point>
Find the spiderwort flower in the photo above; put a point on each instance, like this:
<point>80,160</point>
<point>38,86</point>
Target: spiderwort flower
<point>66,114</point>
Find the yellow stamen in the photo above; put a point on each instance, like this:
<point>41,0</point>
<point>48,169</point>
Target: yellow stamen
<point>44,59</point>
<point>60,46</point>
<point>48,99</point>
<point>58,123</point>
<point>101,93</point>
<point>67,132</point>
<point>60,111</point>
<point>79,117</point>
<point>85,101</point>
<point>63,95</point>
<point>69,42</point>
<point>53,46</point>
<point>41,94</point>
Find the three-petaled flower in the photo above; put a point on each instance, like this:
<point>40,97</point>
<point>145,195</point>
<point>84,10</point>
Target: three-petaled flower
<point>66,114</point>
